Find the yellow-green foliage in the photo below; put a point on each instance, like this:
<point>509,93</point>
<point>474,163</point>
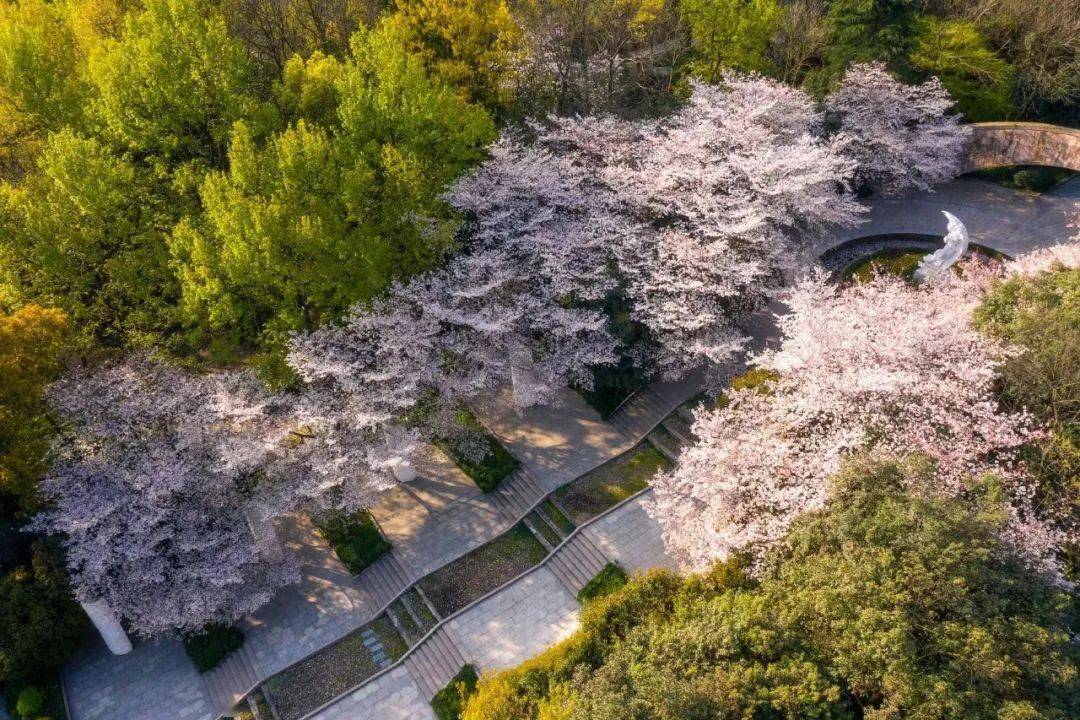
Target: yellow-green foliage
<point>474,45</point>
<point>730,34</point>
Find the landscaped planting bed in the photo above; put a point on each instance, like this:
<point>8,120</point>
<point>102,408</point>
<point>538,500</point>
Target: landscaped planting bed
<point>493,468</point>
<point>901,263</point>
<point>348,662</point>
<point>479,572</point>
<point>355,538</point>
<point>611,483</point>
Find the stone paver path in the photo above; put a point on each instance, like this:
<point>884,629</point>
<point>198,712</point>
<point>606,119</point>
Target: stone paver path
<point>516,623</point>
<point>394,696</point>
<point>631,537</point>
<point>556,442</point>
<point>443,514</point>
<point>99,684</point>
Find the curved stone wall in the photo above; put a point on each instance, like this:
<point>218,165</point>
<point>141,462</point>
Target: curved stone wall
<point>995,144</point>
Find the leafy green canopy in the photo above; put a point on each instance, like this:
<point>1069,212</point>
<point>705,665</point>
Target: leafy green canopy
<point>883,605</point>
<point>169,199</point>
<point>321,216</point>
<point>1041,315</point>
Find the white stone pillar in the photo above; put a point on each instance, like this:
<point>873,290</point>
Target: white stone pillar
<point>108,626</point>
<point>403,470</point>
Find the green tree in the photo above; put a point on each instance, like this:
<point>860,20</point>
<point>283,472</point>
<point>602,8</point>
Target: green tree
<point>979,80</point>
<point>474,45</point>
<point>40,89</point>
<point>865,30</point>
<point>885,604</point>
<point>322,216</point>
<point>731,34</point>
<point>40,622</point>
<point>84,233</point>
<point>1041,316</point>
<point>169,89</point>
<point>31,342</point>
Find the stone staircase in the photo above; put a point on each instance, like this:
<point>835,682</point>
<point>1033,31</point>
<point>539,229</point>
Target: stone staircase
<point>436,661</point>
<point>232,679</point>
<point>577,562</point>
<point>383,580</point>
<point>516,494</point>
<point>643,410</point>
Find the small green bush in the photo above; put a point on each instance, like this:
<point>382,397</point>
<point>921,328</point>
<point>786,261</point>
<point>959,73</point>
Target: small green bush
<point>355,538</point>
<point>448,702</point>
<point>212,644</point>
<point>30,703</point>
<point>1034,179</point>
<point>607,581</point>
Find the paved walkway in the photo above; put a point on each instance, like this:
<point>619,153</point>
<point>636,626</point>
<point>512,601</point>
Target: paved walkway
<point>443,514</point>
<point>524,618</point>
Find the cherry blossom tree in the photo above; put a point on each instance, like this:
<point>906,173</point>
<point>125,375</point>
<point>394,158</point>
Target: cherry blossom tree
<point>150,499</point>
<point>693,215</point>
<point>901,136</point>
<point>879,367</point>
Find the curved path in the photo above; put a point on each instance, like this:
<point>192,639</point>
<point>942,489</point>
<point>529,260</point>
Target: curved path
<point>445,516</point>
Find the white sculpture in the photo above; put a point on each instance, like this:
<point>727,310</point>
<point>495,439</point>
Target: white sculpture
<point>937,263</point>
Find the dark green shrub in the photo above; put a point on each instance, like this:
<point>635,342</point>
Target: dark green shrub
<point>355,538</point>
<point>448,702</point>
<point>607,581</point>
<point>212,644</point>
<point>30,703</point>
<point>40,622</point>
<point>1034,179</point>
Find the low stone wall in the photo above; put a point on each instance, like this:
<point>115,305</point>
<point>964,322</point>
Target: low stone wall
<point>998,144</point>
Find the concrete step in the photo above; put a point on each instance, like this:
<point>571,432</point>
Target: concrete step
<point>577,562</point>
<point>516,494</point>
<point>383,580</point>
<point>232,679</point>
<point>679,428</point>
<point>436,661</point>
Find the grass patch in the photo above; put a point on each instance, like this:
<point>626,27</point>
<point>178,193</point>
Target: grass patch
<point>901,263</point>
<point>556,516</point>
<point>355,538</point>
<point>449,701</point>
<point>607,581</point>
<point>611,483</point>
<point>412,630</point>
<point>212,644</point>
<point>421,608</point>
<point>496,464</point>
<point>487,567</point>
